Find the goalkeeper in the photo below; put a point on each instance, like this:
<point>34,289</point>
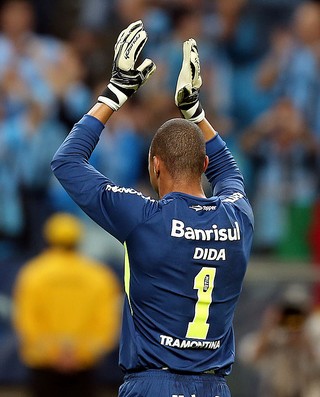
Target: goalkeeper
<point>185,254</point>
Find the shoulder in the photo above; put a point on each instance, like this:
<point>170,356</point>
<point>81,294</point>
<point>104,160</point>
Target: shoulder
<point>239,204</point>
<point>134,198</point>
<point>121,190</point>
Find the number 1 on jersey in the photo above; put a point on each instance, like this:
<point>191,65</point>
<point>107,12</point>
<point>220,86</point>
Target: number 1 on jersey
<point>204,283</point>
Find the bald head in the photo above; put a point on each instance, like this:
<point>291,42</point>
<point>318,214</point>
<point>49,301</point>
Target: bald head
<point>180,145</point>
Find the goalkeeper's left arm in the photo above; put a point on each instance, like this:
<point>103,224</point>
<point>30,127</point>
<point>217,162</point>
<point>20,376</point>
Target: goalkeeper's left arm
<point>188,89</point>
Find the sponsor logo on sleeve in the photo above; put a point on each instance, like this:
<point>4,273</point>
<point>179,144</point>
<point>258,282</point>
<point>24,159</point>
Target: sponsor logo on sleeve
<point>198,208</point>
<point>126,190</point>
<point>233,198</point>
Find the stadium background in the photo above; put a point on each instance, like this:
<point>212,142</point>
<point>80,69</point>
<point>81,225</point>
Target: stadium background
<point>260,66</point>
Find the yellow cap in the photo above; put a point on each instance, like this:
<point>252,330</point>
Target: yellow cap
<point>63,229</point>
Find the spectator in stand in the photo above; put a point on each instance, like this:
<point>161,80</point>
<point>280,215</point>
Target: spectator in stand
<point>121,152</point>
<point>25,59</point>
<point>240,30</point>
<point>282,350</point>
<point>283,153</point>
<point>38,69</point>
<point>38,76</point>
<point>94,14</point>
<point>186,23</point>
<point>67,313</point>
<point>11,223</point>
<point>37,136</point>
<point>292,66</point>
<point>89,47</point>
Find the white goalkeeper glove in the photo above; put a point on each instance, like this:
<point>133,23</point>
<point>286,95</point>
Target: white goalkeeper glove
<point>125,78</point>
<point>189,83</point>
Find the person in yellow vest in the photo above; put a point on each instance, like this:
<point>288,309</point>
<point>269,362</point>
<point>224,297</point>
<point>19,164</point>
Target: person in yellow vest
<point>67,313</point>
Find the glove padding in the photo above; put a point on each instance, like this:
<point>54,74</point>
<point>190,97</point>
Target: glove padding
<point>189,83</point>
<point>125,79</point>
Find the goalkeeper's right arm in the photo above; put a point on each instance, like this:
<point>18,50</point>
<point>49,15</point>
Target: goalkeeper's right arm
<point>126,78</point>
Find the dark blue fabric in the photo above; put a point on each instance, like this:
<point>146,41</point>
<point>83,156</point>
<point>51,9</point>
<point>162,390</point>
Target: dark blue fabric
<point>158,383</point>
<point>171,243</point>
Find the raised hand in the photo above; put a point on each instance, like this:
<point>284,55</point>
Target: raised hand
<point>126,78</point>
<point>189,83</point>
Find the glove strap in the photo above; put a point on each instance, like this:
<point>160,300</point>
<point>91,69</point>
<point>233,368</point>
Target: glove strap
<point>194,113</point>
<point>113,97</point>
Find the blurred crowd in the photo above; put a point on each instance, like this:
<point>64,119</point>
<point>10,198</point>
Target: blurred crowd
<point>261,70</point>
<point>260,66</point>
<point>283,350</point>
<point>261,91</point>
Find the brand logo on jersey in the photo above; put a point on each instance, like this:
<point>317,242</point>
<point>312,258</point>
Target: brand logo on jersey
<point>198,208</point>
<point>166,340</point>
<point>233,198</point>
<point>182,395</point>
<point>120,189</point>
<point>179,230</point>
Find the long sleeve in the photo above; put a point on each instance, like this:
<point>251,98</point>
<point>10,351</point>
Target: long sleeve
<point>223,172</point>
<point>225,176</point>
<point>108,205</point>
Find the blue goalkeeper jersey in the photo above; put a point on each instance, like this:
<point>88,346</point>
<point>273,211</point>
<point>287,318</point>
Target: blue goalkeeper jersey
<point>185,257</point>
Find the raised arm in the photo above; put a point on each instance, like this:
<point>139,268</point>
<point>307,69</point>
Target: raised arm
<point>188,88</point>
<point>105,203</point>
<point>223,173</point>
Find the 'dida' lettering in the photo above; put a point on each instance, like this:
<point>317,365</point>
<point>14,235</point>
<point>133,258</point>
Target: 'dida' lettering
<point>209,254</point>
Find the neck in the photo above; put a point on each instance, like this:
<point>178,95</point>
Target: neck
<point>169,186</point>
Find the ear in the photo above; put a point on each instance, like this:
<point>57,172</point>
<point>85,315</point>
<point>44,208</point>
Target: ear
<point>206,163</point>
<point>156,166</point>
